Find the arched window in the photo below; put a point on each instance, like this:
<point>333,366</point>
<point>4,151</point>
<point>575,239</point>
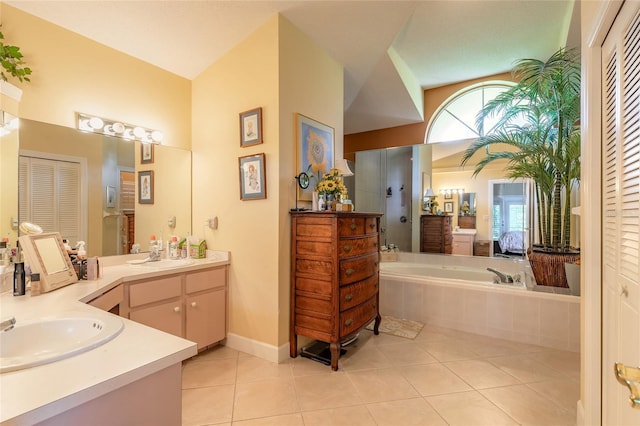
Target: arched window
<point>455,119</point>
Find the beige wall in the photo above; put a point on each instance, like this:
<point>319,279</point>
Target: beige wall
<point>74,74</point>
<point>281,70</point>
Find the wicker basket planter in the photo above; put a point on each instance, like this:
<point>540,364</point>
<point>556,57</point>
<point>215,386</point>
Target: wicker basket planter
<point>548,267</point>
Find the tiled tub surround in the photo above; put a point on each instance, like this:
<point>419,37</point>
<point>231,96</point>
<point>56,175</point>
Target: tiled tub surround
<point>480,307</point>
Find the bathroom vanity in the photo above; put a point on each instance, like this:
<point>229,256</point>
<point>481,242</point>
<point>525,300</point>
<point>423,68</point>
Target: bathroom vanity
<point>334,276</point>
<point>136,377</point>
<point>463,240</point>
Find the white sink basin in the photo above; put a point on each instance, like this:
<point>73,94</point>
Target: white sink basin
<point>50,339</point>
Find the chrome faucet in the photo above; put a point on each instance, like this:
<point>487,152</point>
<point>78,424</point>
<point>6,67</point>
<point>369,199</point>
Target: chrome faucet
<point>7,324</point>
<point>504,278</point>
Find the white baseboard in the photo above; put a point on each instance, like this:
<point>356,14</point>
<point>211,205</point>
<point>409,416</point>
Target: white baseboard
<point>262,350</point>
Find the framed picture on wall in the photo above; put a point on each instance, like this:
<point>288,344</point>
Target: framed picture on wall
<point>253,178</point>
<point>251,127</point>
<point>146,153</point>
<point>448,207</point>
<point>447,196</point>
<point>315,145</point>
<point>145,187</point>
<point>111,196</point>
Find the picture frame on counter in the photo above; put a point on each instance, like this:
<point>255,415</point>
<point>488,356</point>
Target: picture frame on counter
<point>253,178</point>
<point>251,127</point>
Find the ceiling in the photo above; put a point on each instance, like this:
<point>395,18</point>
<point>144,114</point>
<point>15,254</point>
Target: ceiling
<point>390,50</point>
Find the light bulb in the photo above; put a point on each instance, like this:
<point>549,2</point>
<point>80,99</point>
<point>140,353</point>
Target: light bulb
<point>138,132</point>
<point>96,123</point>
<point>118,127</point>
<point>157,136</point>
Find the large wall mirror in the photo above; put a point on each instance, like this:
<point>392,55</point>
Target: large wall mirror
<point>83,185</point>
<point>393,181</point>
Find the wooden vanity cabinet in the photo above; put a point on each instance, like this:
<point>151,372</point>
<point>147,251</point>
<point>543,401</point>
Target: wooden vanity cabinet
<point>435,234</point>
<point>334,277</point>
<point>109,301</point>
<point>206,306</point>
<point>192,305</point>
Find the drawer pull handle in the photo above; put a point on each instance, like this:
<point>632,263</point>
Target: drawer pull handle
<point>349,272</point>
<point>348,297</point>
<point>194,304</point>
<point>347,248</point>
<point>176,309</point>
<point>353,227</point>
<point>372,225</point>
<point>375,244</point>
<point>348,322</point>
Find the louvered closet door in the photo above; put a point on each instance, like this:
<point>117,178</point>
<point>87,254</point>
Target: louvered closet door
<point>621,204</point>
<point>50,195</point>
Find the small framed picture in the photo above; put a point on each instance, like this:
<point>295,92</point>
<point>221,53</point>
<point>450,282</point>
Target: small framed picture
<point>145,187</point>
<point>146,153</point>
<point>448,207</point>
<point>448,196</point>
<point>251,127</point>
<point>253,182</point>
<point>111,196</point>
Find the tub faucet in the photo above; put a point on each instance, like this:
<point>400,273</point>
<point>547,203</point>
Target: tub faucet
<point>7,324</point>
<point>504,278</point>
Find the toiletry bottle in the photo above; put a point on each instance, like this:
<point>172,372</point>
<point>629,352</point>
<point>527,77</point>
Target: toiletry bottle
<point>174,252</point>
<point>35,284</point>
<point>152,242</point>
<point>82,251</point>
<point>3,252</point>
<point>18,279</point>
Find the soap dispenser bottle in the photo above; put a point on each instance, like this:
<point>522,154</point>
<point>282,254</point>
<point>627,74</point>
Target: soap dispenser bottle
<point>19,288</point>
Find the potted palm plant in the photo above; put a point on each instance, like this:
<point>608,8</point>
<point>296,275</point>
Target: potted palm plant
<point>537,133</point>
<point>12,62</point>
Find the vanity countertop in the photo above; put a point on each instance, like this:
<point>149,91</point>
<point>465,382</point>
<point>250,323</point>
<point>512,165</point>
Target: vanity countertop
<point>464,231</point>
<point>34,394</point>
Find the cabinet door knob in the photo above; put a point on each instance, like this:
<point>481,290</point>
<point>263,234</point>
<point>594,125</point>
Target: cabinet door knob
<point>194,304</point>
<point>348,297</point>
<point>348,322</point>
<point>349,272</point>
<point>347,248</point>
<point>176,309</point>
<point>353,227</point>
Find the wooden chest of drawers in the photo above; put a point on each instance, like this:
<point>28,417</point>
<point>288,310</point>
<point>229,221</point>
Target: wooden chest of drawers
<point>334,276</point>
<point>435,234</point>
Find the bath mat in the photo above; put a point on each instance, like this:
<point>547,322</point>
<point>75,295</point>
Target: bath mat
<point>398,327</point>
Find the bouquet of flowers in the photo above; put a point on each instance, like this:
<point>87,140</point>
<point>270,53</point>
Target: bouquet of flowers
<point>465,208</point>
<point>332,183</point>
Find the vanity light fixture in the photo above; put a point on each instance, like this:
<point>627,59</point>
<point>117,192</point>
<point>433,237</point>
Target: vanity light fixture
<point>450,191</point>
<point>105,126</point>
<point>8,123</point>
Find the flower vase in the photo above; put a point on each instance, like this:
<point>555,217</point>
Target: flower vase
<point>330,202</point>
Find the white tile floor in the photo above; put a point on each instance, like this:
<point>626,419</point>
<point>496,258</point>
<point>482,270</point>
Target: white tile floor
<point>443,377</point>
